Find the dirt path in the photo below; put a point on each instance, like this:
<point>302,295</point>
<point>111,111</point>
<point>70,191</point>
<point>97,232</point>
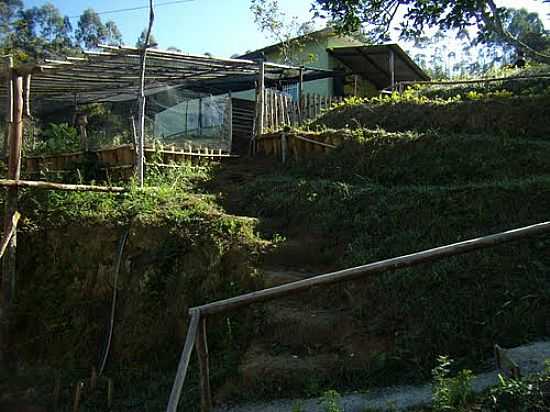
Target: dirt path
<point>529,357</point>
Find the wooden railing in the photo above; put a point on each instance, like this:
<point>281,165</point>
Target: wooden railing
<point>197,333</point>
<point>281,110</point>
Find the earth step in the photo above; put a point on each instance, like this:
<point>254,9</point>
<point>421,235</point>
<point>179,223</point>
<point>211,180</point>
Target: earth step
<point>295,324</point>
<point>262,368</point>
<point>307,252</point>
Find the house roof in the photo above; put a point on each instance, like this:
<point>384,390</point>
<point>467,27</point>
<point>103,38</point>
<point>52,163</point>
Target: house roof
<point>372,62</point>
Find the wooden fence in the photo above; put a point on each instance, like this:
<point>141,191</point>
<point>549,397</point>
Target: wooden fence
<point>297,145</point>
<point>281,110</point>
<point>120,158</point>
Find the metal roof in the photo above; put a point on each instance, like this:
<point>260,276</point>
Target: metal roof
<point>372,63</point>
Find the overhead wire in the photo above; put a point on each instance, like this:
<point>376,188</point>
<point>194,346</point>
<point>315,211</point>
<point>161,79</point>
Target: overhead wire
<point>166,3</point>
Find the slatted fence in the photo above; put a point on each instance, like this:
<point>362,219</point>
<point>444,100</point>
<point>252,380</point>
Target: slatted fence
<point>281,110</point>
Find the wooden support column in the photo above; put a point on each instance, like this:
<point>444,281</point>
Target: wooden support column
<point>8,261</point>
<point>391,62</point>
<point>260,102</point>
<point>140,152</point>
<point>204,369</point>
<point>9,106</point>
<point>300,93</point>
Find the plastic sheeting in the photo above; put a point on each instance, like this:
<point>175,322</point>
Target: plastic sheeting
<point>202,121</point>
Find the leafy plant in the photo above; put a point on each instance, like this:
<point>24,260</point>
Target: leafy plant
<point>331,401</point>
<point>450,393</point>
<point>58,138</point>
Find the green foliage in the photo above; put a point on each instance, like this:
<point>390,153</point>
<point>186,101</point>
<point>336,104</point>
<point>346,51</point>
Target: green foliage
<point>520,395</point>
<point>58,138</point>
<point>450,393</point>
<point>330,401</point>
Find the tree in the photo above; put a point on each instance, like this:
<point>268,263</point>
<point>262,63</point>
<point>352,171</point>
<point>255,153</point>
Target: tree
<point>141,40</point>
<point>40,31</point>
<point>113,35</point>
<point>288,32</point>
<point>91,31</point>
<point>523,25</point>
<point>9,12</point>
<point>420,15</point>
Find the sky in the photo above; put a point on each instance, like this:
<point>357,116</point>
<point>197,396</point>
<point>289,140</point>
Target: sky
<point>219,27</point>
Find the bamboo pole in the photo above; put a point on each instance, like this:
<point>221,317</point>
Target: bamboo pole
<point>141,99</point>
<point>9,259</point>
<point>204,371</point>
<point>372,268</point>
<point>184,361</point>
<point>12,227</point>
<point>15,183</point>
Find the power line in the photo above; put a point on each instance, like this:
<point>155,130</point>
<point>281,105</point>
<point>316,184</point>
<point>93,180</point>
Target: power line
<point>167,3</point>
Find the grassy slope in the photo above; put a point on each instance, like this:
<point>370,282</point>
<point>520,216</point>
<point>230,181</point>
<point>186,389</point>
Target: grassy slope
<point>387,194</point>
<point>183,250</point>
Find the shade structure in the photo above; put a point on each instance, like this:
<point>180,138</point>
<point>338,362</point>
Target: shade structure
<point>380,64</point>
<point>113,74</point>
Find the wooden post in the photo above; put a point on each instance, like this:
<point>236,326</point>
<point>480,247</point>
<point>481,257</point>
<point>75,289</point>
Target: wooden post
<point>141,99</point>
<point>200,116</point>
<point>77,396</point>
<point>391,61</point>
<point>300,93</point>
<point>204,371</point>
<point>27,95</point>
<point>184,362</point>
<point>8,261</point>
<point>260,96</point>
<point>82,122</point>
<point>230,122</point>
<point>9,105</point>
<point>284,147</point>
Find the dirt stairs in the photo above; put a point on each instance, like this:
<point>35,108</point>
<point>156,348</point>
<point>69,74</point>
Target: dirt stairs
<point>310,340</point>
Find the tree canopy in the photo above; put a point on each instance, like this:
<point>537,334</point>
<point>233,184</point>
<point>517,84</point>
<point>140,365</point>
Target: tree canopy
<point>40,31</point>
<point>420,15</point>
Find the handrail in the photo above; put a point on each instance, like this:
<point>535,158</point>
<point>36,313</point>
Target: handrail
<point>331,278</point>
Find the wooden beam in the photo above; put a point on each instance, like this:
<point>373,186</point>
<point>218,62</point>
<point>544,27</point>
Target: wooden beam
<point>175,394</point>
<point>204,369</point>
<point>15,183</point>
<point>372,268</point>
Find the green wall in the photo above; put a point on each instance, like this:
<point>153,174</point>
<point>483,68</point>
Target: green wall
<point>312,53</point>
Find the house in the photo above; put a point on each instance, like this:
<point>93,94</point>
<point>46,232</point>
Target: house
<point>361,69</point>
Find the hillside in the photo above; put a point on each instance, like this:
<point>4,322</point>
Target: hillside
<point>215,232</point>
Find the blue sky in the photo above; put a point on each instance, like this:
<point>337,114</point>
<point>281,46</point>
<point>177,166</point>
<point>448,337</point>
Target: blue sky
<point>221,27</point>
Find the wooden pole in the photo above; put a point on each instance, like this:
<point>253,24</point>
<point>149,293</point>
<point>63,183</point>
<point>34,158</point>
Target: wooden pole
<point>260,98</point>
<point>14,184</point>
<point>204,370</point>
<point>184,361</point>
<point>141,99</point>
<point>372,268</point>
<point>300,93</point>
<point>391,62</point>
<point>9,105</point>
<point>8,261</point>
